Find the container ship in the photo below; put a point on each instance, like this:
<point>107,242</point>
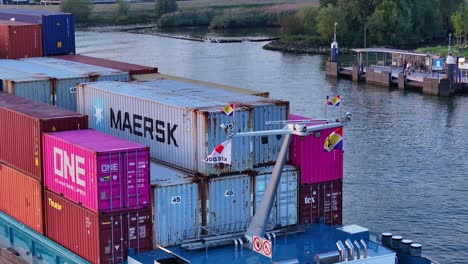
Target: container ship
<point>109,162</point>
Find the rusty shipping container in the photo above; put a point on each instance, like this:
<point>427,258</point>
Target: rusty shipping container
<point>133,69</point>
<point>322,201</point>
<point>181,123</point>
<point>20,40</point>
<point>229,204</point>
<point>22,123</point>
<point>21,197</point>
<point>308,154</point>
<point>98,238</point>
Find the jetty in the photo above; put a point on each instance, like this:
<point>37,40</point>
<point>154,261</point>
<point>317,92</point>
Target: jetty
<point>404,69</point>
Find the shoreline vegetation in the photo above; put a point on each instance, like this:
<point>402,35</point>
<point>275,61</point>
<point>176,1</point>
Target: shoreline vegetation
<point>307,26</point>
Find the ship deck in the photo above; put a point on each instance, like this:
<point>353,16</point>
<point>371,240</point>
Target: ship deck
<point>301,246</point>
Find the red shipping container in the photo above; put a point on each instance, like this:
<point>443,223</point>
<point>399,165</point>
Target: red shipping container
<point>22,123</point>
<point>117,65</point>
<point>102,172</point>
<point>21,197</point>
<point>98,238</point>
<point>316,164</point>
<point>322,200</point>
<point>20,40</point>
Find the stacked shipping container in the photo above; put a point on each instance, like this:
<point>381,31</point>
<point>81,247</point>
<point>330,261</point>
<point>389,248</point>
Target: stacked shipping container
<point>181,122</point>
<point>20,40</point>
<point>321,181</point>
<point>40,79</point>
<point>101,172</point>
<point>58,29</point>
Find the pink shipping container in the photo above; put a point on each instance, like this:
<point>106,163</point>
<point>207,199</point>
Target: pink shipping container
<point>322,200</point>
<point>99,238</point>
<point>316,164</point>
<point>21,197</point>
<point>22,123</point>
<point>99,171</point>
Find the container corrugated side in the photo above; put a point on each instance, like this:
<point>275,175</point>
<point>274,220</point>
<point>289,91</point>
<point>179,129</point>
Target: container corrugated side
<point>284,211</point>
<point>21,197</point>
<point>98,238</point>
<point>65,92</point>
<point>322,201</point>
<point>159,76</point>
<point>133,69</point>
<point>20,40</point>
<point>101,172</point>
<point>316,164</point>
<point>228,203</point>
<point>23,121</point>
<point>266,148</point>
<point>177,206</point>
<point>178,125</point>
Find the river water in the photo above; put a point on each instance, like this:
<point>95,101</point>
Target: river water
<point>406,158</point>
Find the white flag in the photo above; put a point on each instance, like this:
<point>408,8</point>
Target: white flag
<point>220,154</point>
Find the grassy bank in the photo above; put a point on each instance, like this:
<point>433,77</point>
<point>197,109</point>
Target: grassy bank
<point>443,51</point>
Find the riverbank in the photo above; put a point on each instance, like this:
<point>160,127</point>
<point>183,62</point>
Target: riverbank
<point>296,48</point>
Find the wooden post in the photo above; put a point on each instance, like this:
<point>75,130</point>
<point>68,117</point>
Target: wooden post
<point>401,81</point>
<point>355,75</point>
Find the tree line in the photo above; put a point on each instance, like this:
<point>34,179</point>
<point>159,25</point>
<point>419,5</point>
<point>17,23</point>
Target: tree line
<point>396,23</point>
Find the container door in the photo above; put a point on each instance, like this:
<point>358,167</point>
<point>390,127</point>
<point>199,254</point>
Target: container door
<point>333,202</point>
<point>137,182</point>
<point>310,203</point>
<point>286,199</point>
<point>111,182</point>
<point>176,212</point>
<point>139,224</point>
<point>229,204</point>
<point>112,238</point>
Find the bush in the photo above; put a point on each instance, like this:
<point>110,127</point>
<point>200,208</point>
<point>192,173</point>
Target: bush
<point>81,9</point>
<point>165,7</point>
<point>123,7</point>
<point>237,18</point>
<point>187,19</point>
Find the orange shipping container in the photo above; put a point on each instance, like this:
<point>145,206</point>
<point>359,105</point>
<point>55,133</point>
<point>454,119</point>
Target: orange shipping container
<point>21,197</point>
<point>20,40</point>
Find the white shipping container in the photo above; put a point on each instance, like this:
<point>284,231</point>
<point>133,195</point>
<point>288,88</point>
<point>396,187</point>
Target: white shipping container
<point>284,211</point>
<point>182,126</point>
<point>177,206</point>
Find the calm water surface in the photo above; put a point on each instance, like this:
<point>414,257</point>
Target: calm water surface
<point>406,158</point>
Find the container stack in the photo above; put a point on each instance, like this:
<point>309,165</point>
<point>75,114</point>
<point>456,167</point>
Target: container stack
<point>99,185</point>
<point>181,123</point>
<point>57,29</point>
<point>321,180</point>
<point>52,81</point>
<point>21,178</point>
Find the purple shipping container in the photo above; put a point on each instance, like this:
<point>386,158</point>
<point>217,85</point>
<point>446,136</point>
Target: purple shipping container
<point>99,171</point>
<point>307,153</point>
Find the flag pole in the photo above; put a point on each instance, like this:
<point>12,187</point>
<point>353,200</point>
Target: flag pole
<point>326,106</point>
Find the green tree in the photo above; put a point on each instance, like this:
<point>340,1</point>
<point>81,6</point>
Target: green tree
<point>307,16</point>
<point>324,3</point>
<point>81,9</point>
<point>165,7</point>
<point>326,20</point>
<point>123,8</point>
<point>459,21</point>
<point>447,8</point>
<point>389,25</point>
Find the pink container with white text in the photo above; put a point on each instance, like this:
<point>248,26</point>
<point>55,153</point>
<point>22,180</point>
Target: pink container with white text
<point>99,171</point>
<point>307,153</point>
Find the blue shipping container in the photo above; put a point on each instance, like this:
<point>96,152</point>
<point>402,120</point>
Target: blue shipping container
<point>58,29</point>
<point>284,210</point>
<point>177,205</point>
<point>228,204</point>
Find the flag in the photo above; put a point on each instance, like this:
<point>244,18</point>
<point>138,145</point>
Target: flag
<point>229,110</point>
<point>335,101</point>
<point>334,140</point>
<point>220,154</point>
